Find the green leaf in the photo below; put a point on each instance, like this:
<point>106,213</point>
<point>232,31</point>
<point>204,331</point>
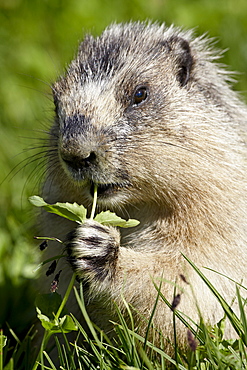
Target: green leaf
<point>3,340</point>
<point>110,218</point>
<point>78,213</point>
<point>64,324</point>
<point>48,304</point>
<point>45,320</point>
<point>10,365</point>
<point>37,201</point>
<point>67,324</point>
<point>73,212</point>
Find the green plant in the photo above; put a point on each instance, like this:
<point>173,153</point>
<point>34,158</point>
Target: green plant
<point>207,347</point>
<point>50,307</point>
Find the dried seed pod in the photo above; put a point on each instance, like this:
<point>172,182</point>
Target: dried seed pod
<point>51,268</point>
<point>54,284</point>
<point>191,341</point>
<point>43,245</point>
<point>184,278</point>
<point>176,301</point>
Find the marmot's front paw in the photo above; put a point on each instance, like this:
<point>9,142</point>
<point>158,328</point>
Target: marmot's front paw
<point>93,250</point>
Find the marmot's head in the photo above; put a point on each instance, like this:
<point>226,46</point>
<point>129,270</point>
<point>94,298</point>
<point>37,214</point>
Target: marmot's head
<point>138,113</point>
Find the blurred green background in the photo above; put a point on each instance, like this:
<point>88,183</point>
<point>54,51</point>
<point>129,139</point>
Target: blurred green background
<point>37,39</point>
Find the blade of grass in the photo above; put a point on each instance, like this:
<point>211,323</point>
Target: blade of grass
<point>80,301</point>
<point>49,360</point>
<point>181,317</point>
<point>154,348</point>
<point>48,260</point>
<point>213,352</point>
<point>87,357</point>
<point>59,350</point>
<point>152,314</point>
<point>227,309</point>
<point>174,330</point>
<point>227,277</point>
<point>146,359</point>
<point>242,313</point>
<point>243,354</point>
<point>151,320</point>
<point>128,341</point>
<point>68,351</point>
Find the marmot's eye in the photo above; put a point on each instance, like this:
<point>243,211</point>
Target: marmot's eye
<point>140,95</point>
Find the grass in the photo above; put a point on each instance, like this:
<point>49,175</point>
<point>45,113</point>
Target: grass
<point>206,349</point>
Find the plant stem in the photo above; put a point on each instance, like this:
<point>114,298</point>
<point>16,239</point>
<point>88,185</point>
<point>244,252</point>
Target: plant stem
<point>1,348</point>
<point>48,333</point>
<point>94,201</point>
<point>66,296</point>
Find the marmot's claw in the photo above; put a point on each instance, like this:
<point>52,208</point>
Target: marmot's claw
<point>93,250</point>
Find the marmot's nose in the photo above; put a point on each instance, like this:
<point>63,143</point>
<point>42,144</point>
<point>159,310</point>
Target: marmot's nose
<point>78,161</point>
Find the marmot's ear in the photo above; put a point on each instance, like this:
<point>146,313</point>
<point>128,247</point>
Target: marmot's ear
<point>183,58</point>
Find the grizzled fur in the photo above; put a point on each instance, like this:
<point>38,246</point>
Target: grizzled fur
<point>103,243</point>
<point>144,112</point>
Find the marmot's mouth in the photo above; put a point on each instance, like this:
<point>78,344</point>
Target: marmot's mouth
<point>105,190</point>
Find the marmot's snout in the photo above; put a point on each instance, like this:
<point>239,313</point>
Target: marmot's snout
<point>79,148</point>
<point>78,160</point>
<point>78,157</point>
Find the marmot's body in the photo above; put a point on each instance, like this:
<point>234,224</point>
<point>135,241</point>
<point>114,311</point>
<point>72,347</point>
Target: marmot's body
<point>145,114</point>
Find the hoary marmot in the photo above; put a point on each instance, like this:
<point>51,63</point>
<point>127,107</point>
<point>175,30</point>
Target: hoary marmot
<point>146,113</point>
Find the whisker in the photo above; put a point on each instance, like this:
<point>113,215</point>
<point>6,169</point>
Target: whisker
<point>45,131</point>
<point>28,161</point>
<point>33,175</point>
<point>36,79</point>
<point>42,169</point>
<point>47,95</point>
<point>52,170</point>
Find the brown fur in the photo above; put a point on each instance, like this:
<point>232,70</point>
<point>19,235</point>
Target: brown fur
<point>176,161</point>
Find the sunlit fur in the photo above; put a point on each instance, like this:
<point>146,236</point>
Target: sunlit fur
<point>178,161</point>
